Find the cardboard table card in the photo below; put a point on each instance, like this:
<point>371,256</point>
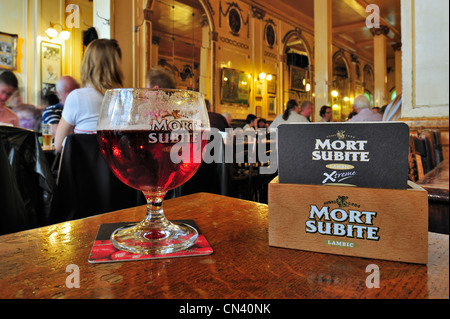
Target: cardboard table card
<point>103,250</point>
<point>389,224</point>
<point>371,155</point>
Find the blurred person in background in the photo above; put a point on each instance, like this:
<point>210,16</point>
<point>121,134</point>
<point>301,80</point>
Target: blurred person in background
<point>101,70</point>
<point>8,85</point>
<point>52,113</point>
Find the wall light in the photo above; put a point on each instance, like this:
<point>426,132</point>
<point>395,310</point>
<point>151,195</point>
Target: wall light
<point>269,77</point>
<point>52,32</point>
<point>64,34</point>
<point>334,93</point>
<point>262,76</point>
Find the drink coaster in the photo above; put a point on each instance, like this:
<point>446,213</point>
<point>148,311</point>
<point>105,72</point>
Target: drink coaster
<point>103,250</point>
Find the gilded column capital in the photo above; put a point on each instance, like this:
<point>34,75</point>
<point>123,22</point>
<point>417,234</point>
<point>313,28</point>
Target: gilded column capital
<point>258,13</point>
<point>156,40</point>
<point>148,12</point>
<point>397,46</point>
<point>214,36</point>
<point>382,30</point>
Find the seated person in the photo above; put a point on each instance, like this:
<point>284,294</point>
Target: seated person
<point>216,120</point>
<point>51,105</point>
<point>52,113</point>
<point>29,116</point>
<point>251,122</point>
<point>228,117</point>
<point>305,111</point>
<point>160,78</point>
<point>100,71</point>
<point>8,85</point>
<point>326,113</point>
<point>364,114</point>
<point>290,115</point>
<point>262,123</point>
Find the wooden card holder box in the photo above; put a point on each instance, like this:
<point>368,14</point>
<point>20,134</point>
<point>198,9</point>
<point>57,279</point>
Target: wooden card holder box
<point>387,224</point>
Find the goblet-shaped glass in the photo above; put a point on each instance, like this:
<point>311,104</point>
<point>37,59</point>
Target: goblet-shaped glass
<point>153,141</point>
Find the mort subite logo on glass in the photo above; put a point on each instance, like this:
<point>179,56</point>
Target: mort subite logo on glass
<point>371,155</point>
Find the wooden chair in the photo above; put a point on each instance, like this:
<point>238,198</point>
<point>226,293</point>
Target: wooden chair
<point>414,160</point>
<point>242,172</point>
<point>263,178</point>
<point>435,136</point>
<point>425,147</point>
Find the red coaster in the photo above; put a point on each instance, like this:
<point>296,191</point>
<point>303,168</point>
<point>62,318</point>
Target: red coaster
<point>103,250</point>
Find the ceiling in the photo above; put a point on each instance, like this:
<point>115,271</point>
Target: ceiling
<point>183,19</point>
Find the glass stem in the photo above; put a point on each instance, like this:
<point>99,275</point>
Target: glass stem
<point>155,214</point>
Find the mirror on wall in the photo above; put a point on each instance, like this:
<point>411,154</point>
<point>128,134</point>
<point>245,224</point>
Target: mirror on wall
<point>298,69</point>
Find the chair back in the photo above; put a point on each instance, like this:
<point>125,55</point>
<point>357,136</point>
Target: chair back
<point>425,146</point>
<point>415,172</point>
<point>212,177</point>
<point>439,156</point>
<point>27,184</point>
<point>86,186</point>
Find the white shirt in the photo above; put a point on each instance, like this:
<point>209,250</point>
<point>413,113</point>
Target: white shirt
<point>248,127</point>
<point>294,117</point>
<point>81,110</point>
<point>366,115</point>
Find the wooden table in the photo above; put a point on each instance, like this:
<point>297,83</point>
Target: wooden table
<point>33,263</point>
<point>437,184</point>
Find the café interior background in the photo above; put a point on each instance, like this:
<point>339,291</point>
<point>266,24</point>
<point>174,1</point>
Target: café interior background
<point>198,39</point>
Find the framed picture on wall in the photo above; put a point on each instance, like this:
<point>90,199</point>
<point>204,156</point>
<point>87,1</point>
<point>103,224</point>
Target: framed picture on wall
<point>235,87</point>
<point>259,89</point>
<point>51,65</point>
<point>272,85</point>
<point>258,109</point>
<point>8,51</point>
<point>272,105</point>
<point>298,78</point>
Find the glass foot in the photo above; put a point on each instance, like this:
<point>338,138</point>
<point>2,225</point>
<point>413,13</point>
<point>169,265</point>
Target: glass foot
<point>145,239</point>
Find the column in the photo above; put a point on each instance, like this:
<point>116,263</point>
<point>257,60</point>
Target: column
<point>154,51</point>
<point>322,53</point>
<point>102,8</point>
<point>398,67</point>
<point>380,64</point>
<point>148,42</point>
<point>204,59</point>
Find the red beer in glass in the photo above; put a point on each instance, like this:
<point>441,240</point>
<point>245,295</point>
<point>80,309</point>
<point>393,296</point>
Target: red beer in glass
<point>146,164</point>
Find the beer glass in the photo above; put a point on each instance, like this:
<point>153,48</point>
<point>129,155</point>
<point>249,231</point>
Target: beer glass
<point>153,140</point>
<point>47,136</point>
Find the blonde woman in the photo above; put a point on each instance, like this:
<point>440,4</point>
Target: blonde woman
<point>100,71</point>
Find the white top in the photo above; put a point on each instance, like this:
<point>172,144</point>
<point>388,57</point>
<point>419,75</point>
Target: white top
<point>248,127</point>
<point>294,117</point>
<point>82,109</point>
<point>366,115</point>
